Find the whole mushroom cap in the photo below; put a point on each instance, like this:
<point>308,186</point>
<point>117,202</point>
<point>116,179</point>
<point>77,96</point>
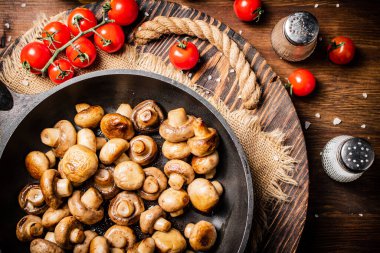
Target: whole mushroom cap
<point>173,200</point>
<point>170,242</point>
<point>125,208</point>
<point>99,245</point>
<point>114,125</point>
<point>78,164</point>
<point>147,117</point>
<point>120,237</point>
<point>54,189</point>
<point>89,117</point>
<point>44,246</point>
<point>205,140</point>
<point>176,150</point>
<point>155,182</point>
<point>67,137</point>
<point>86,137</point>
<point>178,127</point>
<point>84,247</point>
<point>179,173</point>
<point>32,200</point>
<point>205,165</point>
<point>203,194</point>
<point>36,163</point>
<point>129,176</point>
<point>112,150</point>
<point>68,232</point>
<point>53,216</point>
<point>143,149</point>
<point>104,182</point>
<point>202,236</point>
<point>29,228</point>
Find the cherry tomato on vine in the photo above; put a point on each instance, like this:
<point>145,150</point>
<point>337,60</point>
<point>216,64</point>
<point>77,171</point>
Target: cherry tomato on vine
<point>34,57</point>
<point>82,53</point>
<point>55,35</point>
<point>248,10</point>
<point>109,37</point>
<point>81,18</point>
<point>124,12</point>
<point>184,55</point>
<point>341,50</point>
<point>60,70</point>
<point>301,82</point>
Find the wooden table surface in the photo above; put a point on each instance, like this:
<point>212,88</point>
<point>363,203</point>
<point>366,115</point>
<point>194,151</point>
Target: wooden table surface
<point>341,217</point>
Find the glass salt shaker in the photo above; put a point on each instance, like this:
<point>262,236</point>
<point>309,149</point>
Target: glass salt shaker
<point>346,158</point>
<point>294,37</point>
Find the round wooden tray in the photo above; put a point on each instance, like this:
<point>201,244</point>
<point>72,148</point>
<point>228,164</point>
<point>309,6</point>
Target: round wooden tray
<point>286,220</point>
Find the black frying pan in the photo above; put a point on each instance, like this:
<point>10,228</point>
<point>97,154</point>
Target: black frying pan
<point>233,215</point>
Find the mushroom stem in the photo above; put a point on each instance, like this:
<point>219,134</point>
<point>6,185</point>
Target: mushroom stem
<point>125,209</point>
<point>35,197</point>
<point>64,187</point>
<point>125,110</point>
<point>77,236</point>
<point>100,141</point>
<point>146,115</point>
<point>146,246</point>
<point>92,199</point>
<point>200,129</point>
<point>177,117</point>
<point>176,181</point>
<point>80,107</point>
<point>103,177</point>
<point>50,136</point>
<point>151,185</point>
<point>177,213</point>
<point>218,187</point>
<point>50,237</point>
<point>35,229</point>
<point>138,147</point>
<point>188,229</point>
<point>162,225</point>
<point>51,157</point>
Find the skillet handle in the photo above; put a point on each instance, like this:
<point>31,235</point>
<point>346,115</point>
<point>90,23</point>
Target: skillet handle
<point>6,99</point>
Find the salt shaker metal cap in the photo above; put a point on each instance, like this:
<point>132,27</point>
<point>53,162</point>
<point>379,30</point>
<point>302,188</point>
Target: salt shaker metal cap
<point>346,158</point>
<point>301,28</point>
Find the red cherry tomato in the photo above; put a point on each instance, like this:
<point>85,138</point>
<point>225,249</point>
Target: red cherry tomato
<point>60,70</point>
<point>124,12</point>
<point>34,57</point>
<point>82,53</point>
<point>248,10</point>
<point>81,18</point>
<point>109,37</point>
<point>301,82</point>
<point>184,55</point>
<point>341,50</point>
<point>55,35</point>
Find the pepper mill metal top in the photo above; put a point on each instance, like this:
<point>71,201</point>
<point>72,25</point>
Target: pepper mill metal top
<point>301,28</point>
<point>357,155</point>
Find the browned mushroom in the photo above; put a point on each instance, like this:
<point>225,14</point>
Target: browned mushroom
<point>147,117</point>
<point>125,208</point>
<point>155,182</point>
<point>88,117</point>
<point>120,237</point>
<point>53,216</point>
<point>50,237</point>
<point>104,182</point>
<point>112,150</point>
<point>81,106</point>
<point>202,235</point>
<point>145,246</point>
<point>179,173</point>
<point>87,138</point>
<point>205,140</point>
<point>32,200</point>
<point>37,162</point>
<point>206,165</point>
<point>173,201</point>
<point>114,125</point>
<point>204,195</point>
<point>154,219</point>
<point>178,150</point>
<point>86,207</point>
<point>78,164</point>
<point>125,110</point>
<point>84,247</point>
<point>99,245</point>
<point>143,150</point>
<point>61,137</point>
<point>44,246</point>
<point>29,228</point>
<point>54,189</point>
<point>178,127</point>
<point>169,242</point>
<point>129,176</point>
<point>68,232</point>
<point>100,142</point>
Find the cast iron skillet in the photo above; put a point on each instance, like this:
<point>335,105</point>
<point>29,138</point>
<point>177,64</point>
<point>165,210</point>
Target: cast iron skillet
<point>232,217</point>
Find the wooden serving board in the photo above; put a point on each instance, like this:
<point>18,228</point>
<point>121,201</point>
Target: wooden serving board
<point>286,220</point>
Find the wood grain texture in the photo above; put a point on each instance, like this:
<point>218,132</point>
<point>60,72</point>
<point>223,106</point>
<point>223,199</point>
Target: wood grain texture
<point>339,227</point>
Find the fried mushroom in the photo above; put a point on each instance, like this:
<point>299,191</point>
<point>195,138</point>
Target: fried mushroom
<point>53,216</point>
<point>125,208</point>
<point>88,117</point>
<point>99,245</point>
<point>205,140</point>
<point>125,110</point>
<point>178,150</point>
<point>44,246</point>
<point>154,219</point>
<point>114,125</point>
<point>120,237</point>
<point>68,232</point>
<point>29,228</point>
<point>179,173</point>
<point>173,201</point>
<point>86,207</point>
<point>145,246</point>
<point>87,138</point>
<point>84,247</point>
<point>155,182</point>
<point>206,165</point>
<point>202,235</point>
<point>104,182</point>
<point>112,150</point>
<point>129,176</point>
<point>143,150</point>
<point>54,188</point>
<point>37,162</point>
<point>204,195</point>
<point>147,117</point>
<point>169,242</point>
<point>32,200</point>
<point>178,127</point>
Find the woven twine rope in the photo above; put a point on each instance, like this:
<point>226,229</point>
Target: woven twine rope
<point>260,147</point>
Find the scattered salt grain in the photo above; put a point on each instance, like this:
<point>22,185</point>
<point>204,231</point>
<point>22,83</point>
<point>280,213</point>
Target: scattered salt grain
<point>9,38</point>
<point>316,5</point>
<point>25,82</point>
<point>276,158</point>
<point>7,25</point>
<point>217,79</point>
<point>337,5</point>
<point>337,121</point>
<point>232,70</point>
<point>209,77</point>
<point>23,5</point>
<point>360,214</point>
<point>240,32</point>
<point>307,125</point>
<point>363,126</point>
<point>146,14</point>
<point>316,215</point>
<point>365,95</point>
<point>318,115</point>
<point>190,75</point>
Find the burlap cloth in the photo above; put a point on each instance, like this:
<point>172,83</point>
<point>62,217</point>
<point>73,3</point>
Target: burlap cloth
<point>260,147</point>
